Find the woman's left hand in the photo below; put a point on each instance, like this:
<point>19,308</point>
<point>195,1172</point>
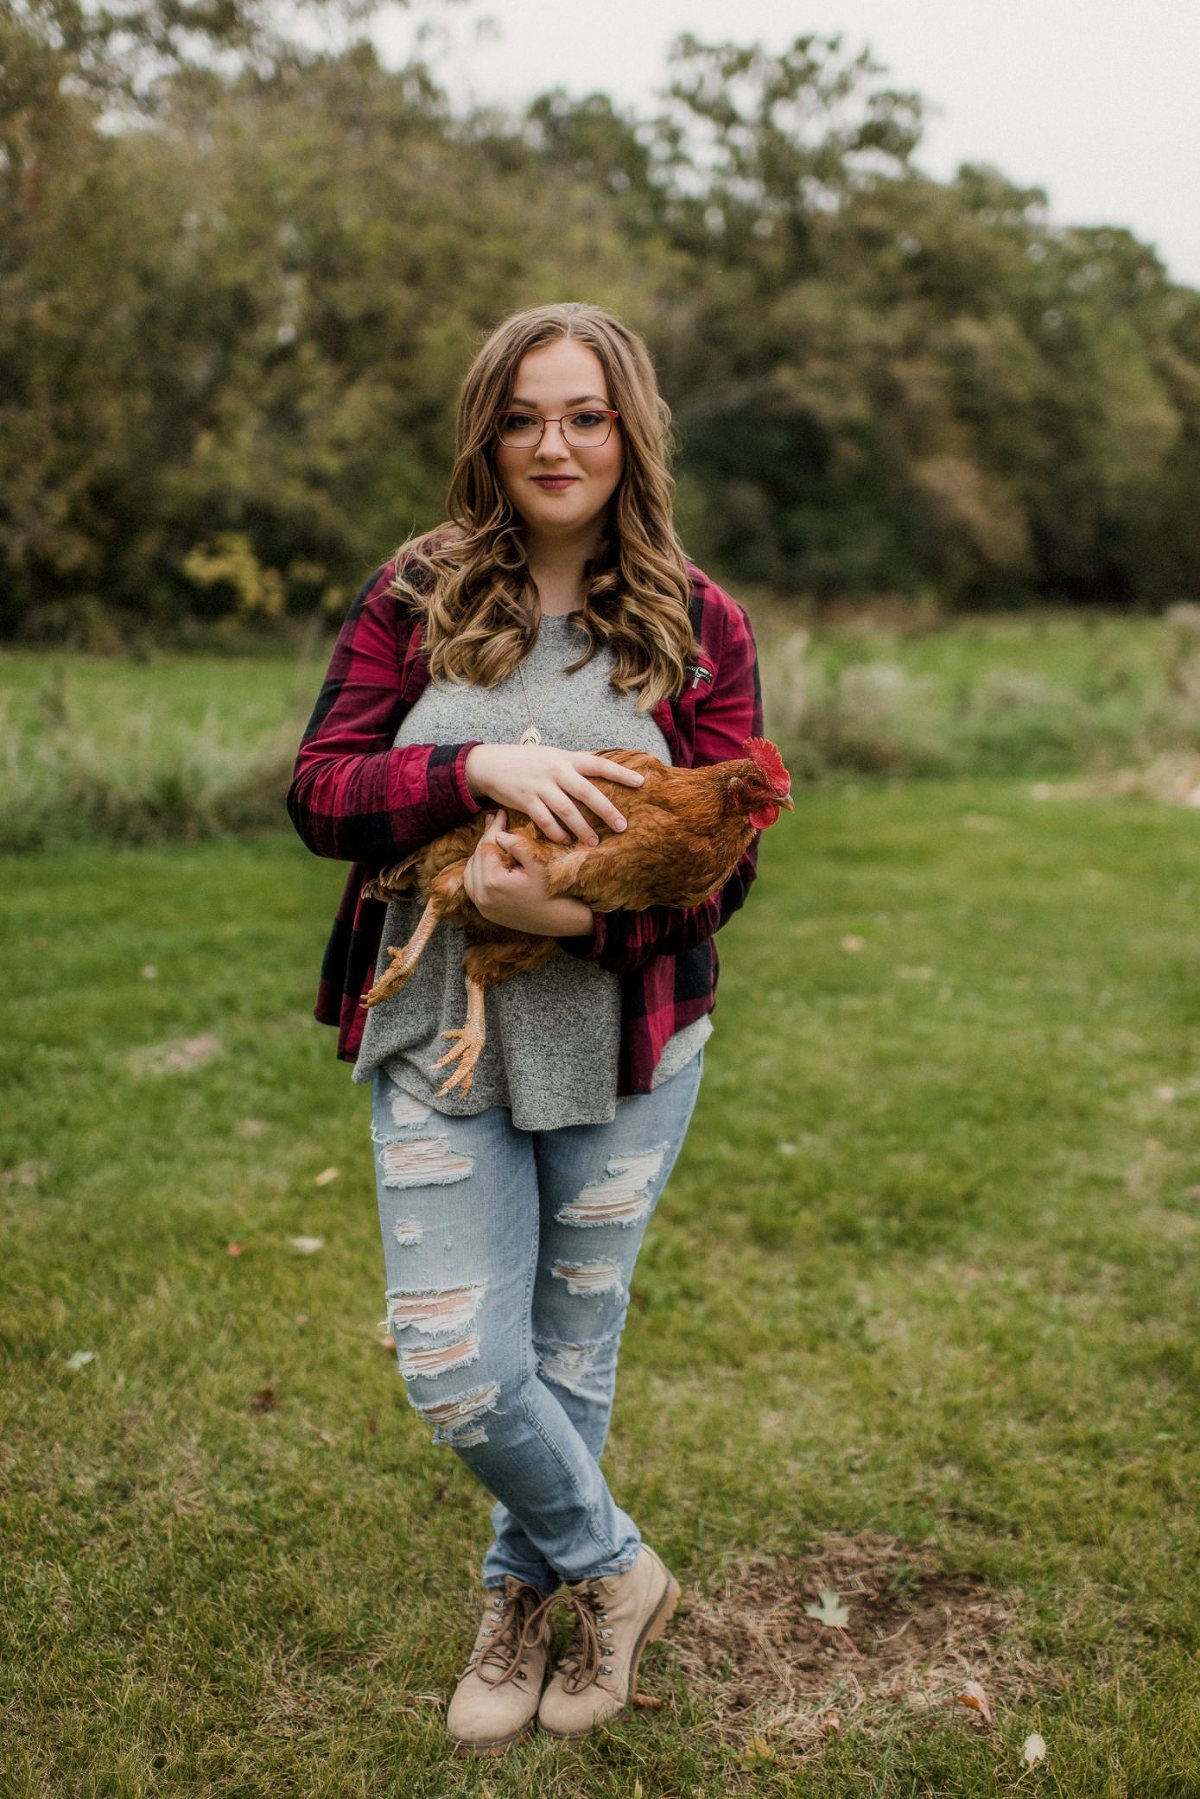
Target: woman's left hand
<point>508,886</point>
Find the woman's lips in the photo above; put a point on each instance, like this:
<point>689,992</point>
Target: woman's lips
<point>554,482</point>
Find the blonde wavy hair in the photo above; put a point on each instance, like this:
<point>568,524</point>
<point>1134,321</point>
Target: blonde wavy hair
<point>469,579</point>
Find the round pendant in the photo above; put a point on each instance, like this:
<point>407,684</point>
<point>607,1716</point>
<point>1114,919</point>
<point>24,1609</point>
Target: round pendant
<point>530,734</point>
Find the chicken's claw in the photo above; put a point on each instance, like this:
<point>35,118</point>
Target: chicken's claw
<point>403,964</point>
<point>466,1046</point>
<point>466,1051</point>
<point>405,957</point>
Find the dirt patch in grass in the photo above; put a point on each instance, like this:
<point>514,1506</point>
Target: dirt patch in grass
<point>913,1638</point>
<point>1173,776</point>
<point>179,1056</point>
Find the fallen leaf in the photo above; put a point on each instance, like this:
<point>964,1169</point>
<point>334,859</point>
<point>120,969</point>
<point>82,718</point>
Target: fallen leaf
<point>233,1249</point>
<point>307,1246</point>
<point>373,1426</point>
<point>908,973</point>
<point>648,1702</point>
<point>326,1175</point>
<point>251,1127</point>
<point>830,1611</point>
<point>830,1721</point>
<point>974,1696</point>
<point>758,1749</point>
<point>1034,1749</point>
<point>150,972</point>
<point>386,1342</point>
<point>1164,1092</point>
<point>264,1400</point>
<point>81,1358</point>
<point>851,943</point>
<point>301,1318</point>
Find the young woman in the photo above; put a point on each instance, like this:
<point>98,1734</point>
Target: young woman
<point>552,616</point>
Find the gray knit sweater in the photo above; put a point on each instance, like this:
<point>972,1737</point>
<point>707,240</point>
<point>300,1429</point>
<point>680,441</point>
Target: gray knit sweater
<point>553,1033</point>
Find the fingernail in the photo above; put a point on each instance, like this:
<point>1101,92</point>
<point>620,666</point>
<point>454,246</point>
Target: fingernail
<point>620,824</point>
<point>593,839</point>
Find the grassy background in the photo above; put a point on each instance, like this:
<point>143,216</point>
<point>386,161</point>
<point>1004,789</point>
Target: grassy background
<point>167,747</point>
<point>927,1266</point>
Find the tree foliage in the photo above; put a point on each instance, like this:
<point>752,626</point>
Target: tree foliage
<point>239,288</point>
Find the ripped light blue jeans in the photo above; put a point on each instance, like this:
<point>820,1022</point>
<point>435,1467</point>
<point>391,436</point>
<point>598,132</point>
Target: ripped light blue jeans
<point>508,1256</point>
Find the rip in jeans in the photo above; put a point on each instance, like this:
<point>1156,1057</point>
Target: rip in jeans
<point>454,1420</point>
<point>621,1196</point>
<point>573,1365</point>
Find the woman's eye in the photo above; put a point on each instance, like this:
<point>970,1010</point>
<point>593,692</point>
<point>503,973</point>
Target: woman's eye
<point>586,421</point>
<point>521,421</point>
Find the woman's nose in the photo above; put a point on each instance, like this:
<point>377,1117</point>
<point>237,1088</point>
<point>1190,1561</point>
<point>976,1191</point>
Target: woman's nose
<point>553,442</point>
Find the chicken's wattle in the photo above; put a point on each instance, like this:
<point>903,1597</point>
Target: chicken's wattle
<point>763,816</point>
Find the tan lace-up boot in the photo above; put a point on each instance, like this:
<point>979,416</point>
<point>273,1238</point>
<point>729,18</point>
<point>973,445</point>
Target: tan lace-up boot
<point>496,1698</point>
<point>616,1615</point>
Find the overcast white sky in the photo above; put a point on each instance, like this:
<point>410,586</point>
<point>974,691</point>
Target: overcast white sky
<point>1093,100</point>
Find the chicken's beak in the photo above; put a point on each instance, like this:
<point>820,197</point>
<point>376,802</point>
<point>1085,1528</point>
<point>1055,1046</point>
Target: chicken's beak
<point>786,800</point>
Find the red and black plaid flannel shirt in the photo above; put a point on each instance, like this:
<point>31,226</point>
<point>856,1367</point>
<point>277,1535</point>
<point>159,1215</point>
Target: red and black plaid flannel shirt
<point>355,797</point>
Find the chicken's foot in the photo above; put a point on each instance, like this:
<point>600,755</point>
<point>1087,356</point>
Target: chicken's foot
<point>467,1044</point>
<point>406,956</point>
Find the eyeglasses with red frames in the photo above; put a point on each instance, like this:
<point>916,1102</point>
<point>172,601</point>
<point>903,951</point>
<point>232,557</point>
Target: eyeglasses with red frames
<point>586,429</point>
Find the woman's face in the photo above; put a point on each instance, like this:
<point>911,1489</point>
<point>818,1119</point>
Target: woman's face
<point>557,489</point>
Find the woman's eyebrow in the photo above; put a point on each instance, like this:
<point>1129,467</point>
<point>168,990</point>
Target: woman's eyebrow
<point>578,401</point>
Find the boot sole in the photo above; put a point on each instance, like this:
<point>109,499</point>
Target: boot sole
<point>498,1744</point>
<point>655,1625</point>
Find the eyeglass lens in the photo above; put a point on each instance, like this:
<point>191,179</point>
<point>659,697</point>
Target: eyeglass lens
<point>585,430</point>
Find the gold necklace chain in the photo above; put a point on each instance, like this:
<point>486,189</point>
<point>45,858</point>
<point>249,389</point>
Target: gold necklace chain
<point>531,734</point>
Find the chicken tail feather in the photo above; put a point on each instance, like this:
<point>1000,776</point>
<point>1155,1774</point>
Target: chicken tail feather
<point>391,881</point>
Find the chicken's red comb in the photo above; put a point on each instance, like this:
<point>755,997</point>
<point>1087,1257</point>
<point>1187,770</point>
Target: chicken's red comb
<point>769,760</point>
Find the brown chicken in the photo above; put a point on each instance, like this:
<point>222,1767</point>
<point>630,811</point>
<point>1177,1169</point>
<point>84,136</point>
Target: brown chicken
<point>686,831</point>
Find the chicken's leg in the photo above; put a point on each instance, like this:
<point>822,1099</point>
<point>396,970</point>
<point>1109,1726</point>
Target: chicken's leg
<point>486,965</point>
<point>466,1046</point>
<point>405,957</point>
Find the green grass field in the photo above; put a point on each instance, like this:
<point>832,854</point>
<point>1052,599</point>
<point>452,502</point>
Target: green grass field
<point>168,747</point>
<point>921,1295</point>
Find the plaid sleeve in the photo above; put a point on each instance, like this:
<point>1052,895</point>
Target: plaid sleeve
<point>353,796</point>
<point>731,712</point>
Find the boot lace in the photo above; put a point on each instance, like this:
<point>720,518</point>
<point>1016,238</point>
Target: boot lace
<point>519,1622</point>
<point>586,1659</point>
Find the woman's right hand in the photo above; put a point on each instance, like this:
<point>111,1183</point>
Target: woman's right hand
<point>548,785</point>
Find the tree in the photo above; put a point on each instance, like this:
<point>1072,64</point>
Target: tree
<point>240,282</point>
